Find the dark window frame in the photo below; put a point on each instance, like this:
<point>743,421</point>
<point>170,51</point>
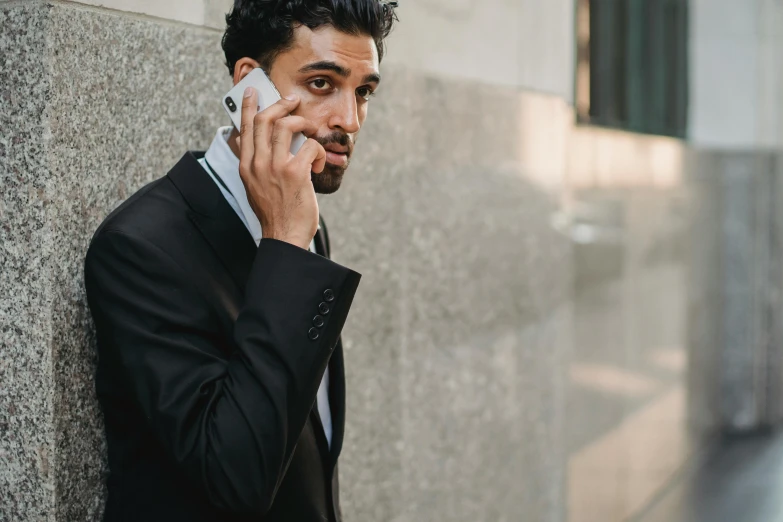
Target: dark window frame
<point>632,65</point>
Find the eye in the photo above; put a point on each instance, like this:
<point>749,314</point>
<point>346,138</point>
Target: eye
<point>320,84</point>
<point>365,92</point>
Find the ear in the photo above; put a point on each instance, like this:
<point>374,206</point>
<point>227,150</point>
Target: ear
<point>243,67</point>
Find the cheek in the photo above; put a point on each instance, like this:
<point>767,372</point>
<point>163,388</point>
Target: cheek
<point>363,112</point>
<point>314,108</point>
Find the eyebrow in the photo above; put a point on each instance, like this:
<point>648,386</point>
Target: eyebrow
<point>327,65</point>
<point>372,78</point>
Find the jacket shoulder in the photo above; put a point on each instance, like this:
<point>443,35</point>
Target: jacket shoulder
<point>154,212</point>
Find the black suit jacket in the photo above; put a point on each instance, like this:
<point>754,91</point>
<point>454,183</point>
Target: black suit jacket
<point>209,360</point>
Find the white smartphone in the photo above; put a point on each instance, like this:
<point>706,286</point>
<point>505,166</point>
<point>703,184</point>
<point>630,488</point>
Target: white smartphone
<point>267,95</point>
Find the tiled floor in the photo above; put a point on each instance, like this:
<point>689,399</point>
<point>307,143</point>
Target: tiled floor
<point>627,429</point>
<point>617,475</point>
<point>739,480</point>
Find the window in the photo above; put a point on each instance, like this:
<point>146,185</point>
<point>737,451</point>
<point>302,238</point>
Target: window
<point>632,70</point>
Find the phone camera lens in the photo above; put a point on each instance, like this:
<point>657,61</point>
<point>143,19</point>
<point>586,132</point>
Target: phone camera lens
<point>231,105</point>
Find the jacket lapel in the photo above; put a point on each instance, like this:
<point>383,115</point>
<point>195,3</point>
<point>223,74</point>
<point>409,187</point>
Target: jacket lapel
<point>215,218</point>
<point>336,408</point>
<point>336,373</point>
<point>337,402</point>
<point>234,246</point>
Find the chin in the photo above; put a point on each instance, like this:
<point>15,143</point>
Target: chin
<point>328,181</point>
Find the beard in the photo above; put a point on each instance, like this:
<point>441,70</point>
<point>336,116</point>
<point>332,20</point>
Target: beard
<point>329,181</point>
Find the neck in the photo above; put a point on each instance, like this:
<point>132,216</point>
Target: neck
<point>232,142</point>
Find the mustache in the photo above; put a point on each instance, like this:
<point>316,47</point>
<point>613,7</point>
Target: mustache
<point>340,138</point>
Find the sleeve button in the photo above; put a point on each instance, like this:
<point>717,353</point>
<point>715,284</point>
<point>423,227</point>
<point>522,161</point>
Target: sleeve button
<point>318,321</point>
<point>329,295</point>
<point>313,334</point>
<point>323,308</point>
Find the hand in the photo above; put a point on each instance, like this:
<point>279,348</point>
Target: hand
<point>278,184</point>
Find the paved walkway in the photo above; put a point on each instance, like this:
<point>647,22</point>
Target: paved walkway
<point>740,480</point>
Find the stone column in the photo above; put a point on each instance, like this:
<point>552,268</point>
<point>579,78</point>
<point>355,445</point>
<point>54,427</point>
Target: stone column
<point>94,105</point>
<point>736,312</point>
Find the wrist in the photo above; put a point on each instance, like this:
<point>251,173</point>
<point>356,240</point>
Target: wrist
<point>296,240</point>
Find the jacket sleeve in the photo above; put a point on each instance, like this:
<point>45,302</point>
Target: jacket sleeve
<point>230,422</point>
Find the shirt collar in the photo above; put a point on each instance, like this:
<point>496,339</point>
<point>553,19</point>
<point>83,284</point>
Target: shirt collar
<point>225,165</point>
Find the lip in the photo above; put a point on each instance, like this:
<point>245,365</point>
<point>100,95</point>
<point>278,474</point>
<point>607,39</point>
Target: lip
<point>337,149</point>
<point>338,159</point>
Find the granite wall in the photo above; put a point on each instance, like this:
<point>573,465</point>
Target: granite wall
<point>89,104</point>
<point>458,340</point>
<point>27,428</point>
<point>518,348</point>
<point>455,354</point>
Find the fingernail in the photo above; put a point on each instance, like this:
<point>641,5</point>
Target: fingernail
<point>248,92</point>
<point>291,97</point>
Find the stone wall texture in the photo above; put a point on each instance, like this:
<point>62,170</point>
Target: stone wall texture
<point>93,95</point>
<point>27,466</point>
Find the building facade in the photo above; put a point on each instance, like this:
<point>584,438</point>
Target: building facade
<point>566,214</point>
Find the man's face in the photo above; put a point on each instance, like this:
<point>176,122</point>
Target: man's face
<point>334,74</point>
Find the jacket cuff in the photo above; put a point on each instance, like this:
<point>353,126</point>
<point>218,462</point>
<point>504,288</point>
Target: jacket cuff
<point>302,300</point>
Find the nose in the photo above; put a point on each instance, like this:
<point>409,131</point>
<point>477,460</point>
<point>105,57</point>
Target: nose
<point>346,115</point>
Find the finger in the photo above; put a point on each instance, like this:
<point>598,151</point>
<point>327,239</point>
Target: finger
<point>311,157</point>
<point>283,134</point>
<point>265,120</point>
<point>249,111</point>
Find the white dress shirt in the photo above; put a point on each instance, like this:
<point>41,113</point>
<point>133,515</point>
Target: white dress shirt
<point>225,164</point>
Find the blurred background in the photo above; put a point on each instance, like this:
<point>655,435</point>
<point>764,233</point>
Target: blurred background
<point>567,214</point>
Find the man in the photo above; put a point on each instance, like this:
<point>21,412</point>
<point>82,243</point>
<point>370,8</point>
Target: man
<point>217,310</point>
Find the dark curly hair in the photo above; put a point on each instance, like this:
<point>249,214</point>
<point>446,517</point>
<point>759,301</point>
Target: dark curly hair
<point>262,29</point>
